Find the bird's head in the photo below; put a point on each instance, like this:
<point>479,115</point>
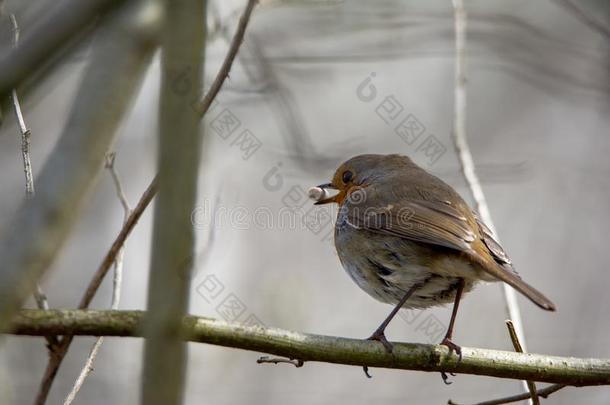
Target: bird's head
<point>359,172</point>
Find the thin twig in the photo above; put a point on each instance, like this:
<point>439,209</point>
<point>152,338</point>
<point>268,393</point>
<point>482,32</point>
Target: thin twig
<point>25,146</point>
<point>94,284</point>
<point>116,281</point>
<point>118,243</point>
<point>518,348</point>
<point>543,393</point>
<point>238,38</point>
<point>87,369</point>
<point>25,132</point>
<point>465,157</point>
<point>319,348</point>
<point>276,360</point>
<point>39,296</point>
<point>110,157</point>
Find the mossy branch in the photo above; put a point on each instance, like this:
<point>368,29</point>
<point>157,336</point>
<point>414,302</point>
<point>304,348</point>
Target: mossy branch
<point>329,349</point>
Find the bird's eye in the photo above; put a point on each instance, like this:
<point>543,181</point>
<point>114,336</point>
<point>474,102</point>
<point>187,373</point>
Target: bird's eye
<point>347,176</point>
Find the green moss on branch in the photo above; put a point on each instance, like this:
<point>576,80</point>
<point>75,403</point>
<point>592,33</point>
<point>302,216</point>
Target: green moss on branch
<point>329,349</point>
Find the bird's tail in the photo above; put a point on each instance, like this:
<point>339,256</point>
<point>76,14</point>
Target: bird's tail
<point>530,292</point>
<point>510,277</point>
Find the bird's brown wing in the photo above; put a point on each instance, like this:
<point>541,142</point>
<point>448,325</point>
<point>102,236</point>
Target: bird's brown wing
<point>422,221</point>
<point>444,224</point>
<point>432,222</point>
<point>492,244</point>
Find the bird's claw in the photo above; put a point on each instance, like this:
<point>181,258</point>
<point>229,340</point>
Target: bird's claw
<point>452,348</point>
<point>445,378</point>
<point>366,371</point>
<point>380,337</point>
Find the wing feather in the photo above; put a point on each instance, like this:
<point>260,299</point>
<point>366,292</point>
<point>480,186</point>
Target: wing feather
<point>441,223</point>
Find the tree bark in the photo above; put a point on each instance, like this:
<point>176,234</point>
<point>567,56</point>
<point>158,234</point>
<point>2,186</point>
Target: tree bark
<point>328,349</point>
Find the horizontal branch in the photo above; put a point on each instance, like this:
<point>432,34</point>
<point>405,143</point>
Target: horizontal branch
<point>308,347</point>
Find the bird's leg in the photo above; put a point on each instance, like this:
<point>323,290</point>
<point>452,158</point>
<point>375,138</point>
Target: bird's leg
<point>447,339</point>
<point>379,334</point>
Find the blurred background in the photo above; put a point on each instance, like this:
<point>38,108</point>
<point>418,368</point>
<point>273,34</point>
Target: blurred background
<point>310,89</point>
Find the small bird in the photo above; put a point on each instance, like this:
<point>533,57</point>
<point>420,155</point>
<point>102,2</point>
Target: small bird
<point>408,239</point>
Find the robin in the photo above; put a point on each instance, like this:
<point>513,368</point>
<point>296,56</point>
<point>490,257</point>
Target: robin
<point>408,239</point>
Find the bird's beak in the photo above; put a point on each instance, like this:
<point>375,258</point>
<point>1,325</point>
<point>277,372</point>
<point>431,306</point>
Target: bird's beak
<point>329,199</point>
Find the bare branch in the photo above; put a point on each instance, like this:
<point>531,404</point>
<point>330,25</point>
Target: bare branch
<point>25,146</point>
<point>110,258</point>
<point>276,360</point>
<point>118,243</point>
<point>238,38</point>
<point>328,349</point>
<point>39,296</point>
<point>110,157</point>
<point>519,349</point>
<point>85,371</point>
<point>465,157</point>
<point>173,241</point>
<point>25,132</point>
<point>543,393</point>
<point>116,282</point>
